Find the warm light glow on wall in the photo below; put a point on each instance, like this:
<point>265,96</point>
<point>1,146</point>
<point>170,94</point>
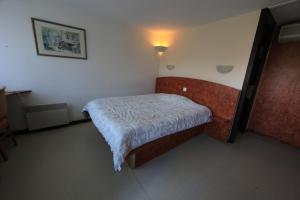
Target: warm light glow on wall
<point>161,37</point>
<point>161,40</point>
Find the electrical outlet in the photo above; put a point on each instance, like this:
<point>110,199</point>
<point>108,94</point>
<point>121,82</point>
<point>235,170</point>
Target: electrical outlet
<point>184,89</point>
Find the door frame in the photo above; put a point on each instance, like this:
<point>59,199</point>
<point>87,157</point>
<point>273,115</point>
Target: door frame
<point>241,117</point>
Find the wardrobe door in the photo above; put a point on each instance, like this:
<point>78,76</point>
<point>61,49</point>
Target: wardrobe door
<point>276,111</point>
<point>293,119</point>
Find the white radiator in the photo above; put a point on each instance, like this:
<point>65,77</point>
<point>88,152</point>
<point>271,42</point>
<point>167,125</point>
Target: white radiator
<point>45,116</point>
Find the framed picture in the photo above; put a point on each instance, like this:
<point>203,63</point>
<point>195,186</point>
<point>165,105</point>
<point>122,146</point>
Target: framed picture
<point>59,40</point>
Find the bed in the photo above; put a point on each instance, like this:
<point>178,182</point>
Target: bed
<point>135,124</point>
<point>220,99</point>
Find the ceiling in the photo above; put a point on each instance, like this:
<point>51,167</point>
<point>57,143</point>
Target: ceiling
<point>170,14</point>
<point>287,13</point>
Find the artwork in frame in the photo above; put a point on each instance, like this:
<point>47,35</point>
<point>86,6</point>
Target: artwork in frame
<point>59,40</point>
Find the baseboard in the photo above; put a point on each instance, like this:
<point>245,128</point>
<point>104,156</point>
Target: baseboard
<point>24,131</point>
<point>80,121</point>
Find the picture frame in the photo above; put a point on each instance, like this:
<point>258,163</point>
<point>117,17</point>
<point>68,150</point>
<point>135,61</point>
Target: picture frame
<point>59,40</point>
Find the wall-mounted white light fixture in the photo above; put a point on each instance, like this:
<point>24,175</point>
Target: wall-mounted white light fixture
<point>160,49</point>
<point>170,67</point>
<point>224,69</point>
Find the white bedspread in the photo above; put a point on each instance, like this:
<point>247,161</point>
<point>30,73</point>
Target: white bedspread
<point>129,122</point>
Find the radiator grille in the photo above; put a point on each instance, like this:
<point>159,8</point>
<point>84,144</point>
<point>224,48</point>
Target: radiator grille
<point>45,116</point>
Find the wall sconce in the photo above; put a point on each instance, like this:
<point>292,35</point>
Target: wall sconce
<point>224,69</point>
<point>160,49</point>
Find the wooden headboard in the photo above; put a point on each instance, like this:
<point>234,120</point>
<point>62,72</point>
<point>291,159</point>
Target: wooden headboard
<point>221,99</point>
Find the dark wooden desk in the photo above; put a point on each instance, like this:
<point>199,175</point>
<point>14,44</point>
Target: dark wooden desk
<point>16,92</point>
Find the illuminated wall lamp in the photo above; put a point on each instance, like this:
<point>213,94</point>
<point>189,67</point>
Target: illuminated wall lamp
<point>160,49</point>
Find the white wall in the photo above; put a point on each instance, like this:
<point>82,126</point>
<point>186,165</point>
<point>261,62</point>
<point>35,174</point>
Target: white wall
<point>196,52</point>
<point>120,59</point>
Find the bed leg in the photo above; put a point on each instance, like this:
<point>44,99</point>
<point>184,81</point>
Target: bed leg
<point>131,161</point>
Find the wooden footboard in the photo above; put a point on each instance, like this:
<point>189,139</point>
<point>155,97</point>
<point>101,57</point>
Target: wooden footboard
<point>157,147</point>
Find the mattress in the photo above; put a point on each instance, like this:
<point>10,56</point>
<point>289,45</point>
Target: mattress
<point>129,122</point>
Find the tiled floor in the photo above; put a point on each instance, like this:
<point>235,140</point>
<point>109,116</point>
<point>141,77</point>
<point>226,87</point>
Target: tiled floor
<point>75,163</point>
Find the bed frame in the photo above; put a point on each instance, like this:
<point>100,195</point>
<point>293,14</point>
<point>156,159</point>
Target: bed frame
<point>221,99</point>
<point>157,147</point>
